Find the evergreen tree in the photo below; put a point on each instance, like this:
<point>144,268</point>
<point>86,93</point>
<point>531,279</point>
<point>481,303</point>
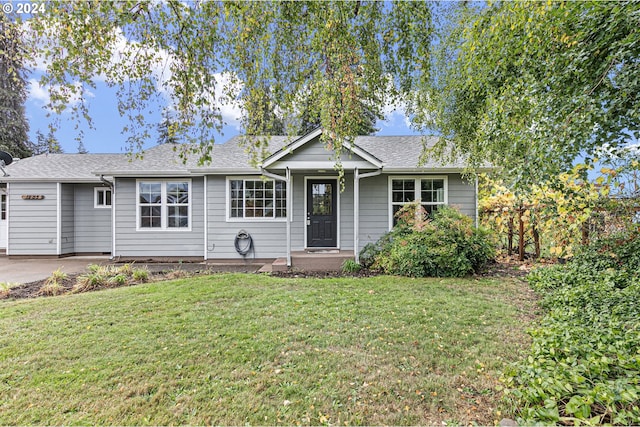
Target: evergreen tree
<point>81,148</point>
<point>13,91</point>
<point>46,144</point>
<point>167,129</point>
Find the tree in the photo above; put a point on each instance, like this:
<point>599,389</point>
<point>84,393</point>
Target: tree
<point>167,129</point>
<point>13,92</point>
<point>530,86</point>
<point>340,54</point>
<point>46,144</point>
<point>81,148</point>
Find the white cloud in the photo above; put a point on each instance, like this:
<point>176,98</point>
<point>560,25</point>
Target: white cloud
<point>41,95</point>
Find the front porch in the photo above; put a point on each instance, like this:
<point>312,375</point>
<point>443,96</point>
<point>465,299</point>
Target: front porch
<point>311,260</point>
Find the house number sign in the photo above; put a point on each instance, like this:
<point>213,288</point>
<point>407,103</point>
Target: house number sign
<point>32,197</point>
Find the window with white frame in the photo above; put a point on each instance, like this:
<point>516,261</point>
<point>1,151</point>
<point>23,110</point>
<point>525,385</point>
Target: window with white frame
<point>3,209</point>
<point>164,204</point>
<point>257,199</point>
<point>431,192</point>
<point>102,197</point>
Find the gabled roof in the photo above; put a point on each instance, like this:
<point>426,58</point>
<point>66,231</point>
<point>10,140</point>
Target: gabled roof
<point>390,153</point>
<point>289,149</point>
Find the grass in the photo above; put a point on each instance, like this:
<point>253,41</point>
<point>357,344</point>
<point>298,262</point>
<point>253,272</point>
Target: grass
<point>246,349</point>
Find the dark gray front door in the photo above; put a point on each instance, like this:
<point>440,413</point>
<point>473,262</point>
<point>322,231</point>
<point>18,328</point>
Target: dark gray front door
<point>322,213</point>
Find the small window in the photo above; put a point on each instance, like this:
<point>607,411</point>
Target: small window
<point>102,198</point>
<point>3,210</point>
<point>257,199</point>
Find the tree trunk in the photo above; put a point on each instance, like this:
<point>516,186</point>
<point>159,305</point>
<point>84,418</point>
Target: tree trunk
<point>521,235</point>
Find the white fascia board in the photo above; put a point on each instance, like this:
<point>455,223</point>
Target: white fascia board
<point>147,174</point>
<point>56,180</point>
<point>365,155</point>
<point>290,148</point>
<point>327,165</point>
<point>228,171</point>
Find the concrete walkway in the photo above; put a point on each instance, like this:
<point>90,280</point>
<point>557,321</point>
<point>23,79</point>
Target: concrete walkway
<point>31,270</point>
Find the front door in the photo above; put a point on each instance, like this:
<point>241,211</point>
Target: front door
<point>322,213</point>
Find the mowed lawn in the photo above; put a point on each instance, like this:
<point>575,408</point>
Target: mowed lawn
<point>248,349</point>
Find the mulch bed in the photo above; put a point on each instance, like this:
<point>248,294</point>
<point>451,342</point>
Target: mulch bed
<point>502,267</point>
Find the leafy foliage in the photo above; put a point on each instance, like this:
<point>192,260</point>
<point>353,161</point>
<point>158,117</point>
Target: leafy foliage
<point>561,214</point>
<point>446,246</point>
<point>350,266</point>
<point>583,363</point>
<point>350,59</point>
<point>537,83</point>
<point>13,91</point>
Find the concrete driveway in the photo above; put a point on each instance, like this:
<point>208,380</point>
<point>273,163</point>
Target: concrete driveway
<point>31,270</point>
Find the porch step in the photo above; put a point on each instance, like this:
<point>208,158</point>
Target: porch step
<point>320,260</point>
<point>280,264</point>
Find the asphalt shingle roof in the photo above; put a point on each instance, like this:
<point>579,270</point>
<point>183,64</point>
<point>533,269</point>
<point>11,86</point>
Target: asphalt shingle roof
<point>396,152</point>
<point>61,167</point>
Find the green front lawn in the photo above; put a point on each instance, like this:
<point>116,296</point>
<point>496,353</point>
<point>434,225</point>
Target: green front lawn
<point>238,349</point>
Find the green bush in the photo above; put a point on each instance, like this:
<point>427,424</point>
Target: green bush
<point>350,266</point>
<point>445,246</point>
<point>584,362</point>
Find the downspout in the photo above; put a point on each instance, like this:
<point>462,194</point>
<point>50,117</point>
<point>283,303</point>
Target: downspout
<point>287,180</point>
<point>356,208</point>
<point>113,213</point>
<point>206,220</point>
<point>106,181</point>
<point>58,219</point>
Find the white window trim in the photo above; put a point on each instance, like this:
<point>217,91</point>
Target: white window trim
<point>97,190</point>
<point>417,190</point>
<point>163,206</point>
<point>227,199</point>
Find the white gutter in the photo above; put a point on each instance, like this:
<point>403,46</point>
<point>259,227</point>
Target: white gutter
<point>356,208</point>
<point>59,219</point>
<point>113,219</point>
<point>287,180</point>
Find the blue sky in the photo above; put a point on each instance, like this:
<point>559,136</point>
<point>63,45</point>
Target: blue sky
<point>107,136</point>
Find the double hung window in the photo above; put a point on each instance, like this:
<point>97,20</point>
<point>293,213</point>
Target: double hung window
<point>431,192</point>
<point>164,205</point>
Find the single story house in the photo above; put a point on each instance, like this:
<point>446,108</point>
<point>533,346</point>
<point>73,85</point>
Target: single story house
<point>160,207</point>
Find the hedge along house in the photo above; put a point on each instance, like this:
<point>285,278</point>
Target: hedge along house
<point>160,207</point>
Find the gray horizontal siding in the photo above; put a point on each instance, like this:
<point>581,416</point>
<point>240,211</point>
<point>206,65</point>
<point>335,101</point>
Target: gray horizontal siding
<point>346,214</point>
<point>315,151</point>
<point>156,243</point>
<point>92,225</point>
<point>269,237</point>
<point>374,203</point>
<point>33,223</point>
<point>67,221</point>
<point>462,194</point>
<point>374,209</point>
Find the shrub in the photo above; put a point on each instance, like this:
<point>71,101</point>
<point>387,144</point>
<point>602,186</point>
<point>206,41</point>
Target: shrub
<point>583,363</point>
<point>140,275</point>
<point>54,283</point>
<point>5,288</point>
<point>91,281</point>
<point>118,280</point>
<point>446,246</point>
<point>350,266</point>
